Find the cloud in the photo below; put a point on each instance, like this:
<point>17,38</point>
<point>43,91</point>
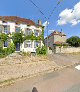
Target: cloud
<point>71,16</point>
<point>51,30</point>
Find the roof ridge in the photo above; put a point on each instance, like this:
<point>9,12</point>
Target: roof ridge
<point>18,19</point>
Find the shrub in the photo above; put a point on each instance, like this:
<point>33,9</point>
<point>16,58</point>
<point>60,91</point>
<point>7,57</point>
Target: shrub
<point>3,52</point>
<point>17,38</point>
<point>25,53</point>
<point>6,51</point>
<point>11,48</point>
<point>41,51</point>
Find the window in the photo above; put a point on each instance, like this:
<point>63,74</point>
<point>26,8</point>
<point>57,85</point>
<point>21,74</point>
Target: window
<point>36,32</point>
<point>4,22</point>
<point>17,29</point>
<point>6,29</point>
<point>27,44</point>
<point>36,44</point>
<point>28,31</point>
<point>5,44</point>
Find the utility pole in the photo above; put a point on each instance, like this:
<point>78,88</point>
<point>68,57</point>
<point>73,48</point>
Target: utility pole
<point>48,18</point>
<point>46,28</point>
<point>47,35</point>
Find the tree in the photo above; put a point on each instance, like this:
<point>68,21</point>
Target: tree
<point>74,41</point>
<point>41,50</point>
<point>3,37</point>
<point>17,38</point>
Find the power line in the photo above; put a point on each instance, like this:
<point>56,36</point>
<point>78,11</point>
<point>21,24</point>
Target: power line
<point>42,11</point>
<point>55,8</point>
<point>44,14</point>
<point>38,9</point>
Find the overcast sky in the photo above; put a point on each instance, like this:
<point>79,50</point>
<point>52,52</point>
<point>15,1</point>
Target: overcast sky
<point>66,16</point>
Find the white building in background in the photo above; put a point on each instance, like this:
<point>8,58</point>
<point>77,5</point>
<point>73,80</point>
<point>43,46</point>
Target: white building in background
<point>11,24</point>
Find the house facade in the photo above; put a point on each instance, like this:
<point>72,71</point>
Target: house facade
<point>55,38</point>
<point>12,24</point>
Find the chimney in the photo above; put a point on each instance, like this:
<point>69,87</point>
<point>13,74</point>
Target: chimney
<point>40,22</point>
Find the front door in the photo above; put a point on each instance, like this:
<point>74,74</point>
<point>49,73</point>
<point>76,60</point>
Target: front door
<point>18,47</point>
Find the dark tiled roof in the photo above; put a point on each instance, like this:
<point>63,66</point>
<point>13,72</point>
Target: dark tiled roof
<point>57,33</point>
<point>17,20</point>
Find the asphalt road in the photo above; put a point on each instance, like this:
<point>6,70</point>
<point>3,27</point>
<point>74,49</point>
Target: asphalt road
<point>75,88</point>
<point>67,80</point>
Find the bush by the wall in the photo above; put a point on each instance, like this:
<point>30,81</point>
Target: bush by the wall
<point>41,51</point>
<point>6,51</point>
<point>11,48</point>
<point>26,53</point>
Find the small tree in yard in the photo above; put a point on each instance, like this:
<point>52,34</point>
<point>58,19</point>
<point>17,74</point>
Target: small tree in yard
<point>17,38</point>
<point>41,51</point>
<point>74,41</point>
<point>3,37</point>
<point>11,48</point>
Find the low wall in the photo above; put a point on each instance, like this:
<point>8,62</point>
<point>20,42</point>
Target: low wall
<point>67,50</point>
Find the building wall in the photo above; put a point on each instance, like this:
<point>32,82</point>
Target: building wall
<point>55,38</point>
<point>32,48</point>
<point>12,27</point>
<point>59,38</point>
<point>23,27</point>
<point>27,49</point>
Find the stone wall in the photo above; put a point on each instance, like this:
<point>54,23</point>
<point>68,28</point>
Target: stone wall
<point>67,50</point>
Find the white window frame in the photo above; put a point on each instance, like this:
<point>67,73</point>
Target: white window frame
<point>28,44</point>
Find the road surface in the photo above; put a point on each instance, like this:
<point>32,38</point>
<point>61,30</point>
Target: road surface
<point>67,80</point>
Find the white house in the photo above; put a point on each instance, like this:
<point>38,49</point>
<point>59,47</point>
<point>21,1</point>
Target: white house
<point>11,24</point>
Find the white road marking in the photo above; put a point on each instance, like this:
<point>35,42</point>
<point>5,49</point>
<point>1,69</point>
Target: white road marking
<point>78,67</point>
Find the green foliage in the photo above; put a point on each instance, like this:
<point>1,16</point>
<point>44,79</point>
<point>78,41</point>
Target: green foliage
<point>74,41</point>
<point>3,37</point>
<point>11,48</point>
<point>41,51</point>
<point>17,38</point>
<point>6,51</point>
<point>1,43</point>
<point>33,37</point>
<point>25,53</point>
<point>3,52</point>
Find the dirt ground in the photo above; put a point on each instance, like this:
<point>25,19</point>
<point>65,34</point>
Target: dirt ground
<point>18,66</point>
